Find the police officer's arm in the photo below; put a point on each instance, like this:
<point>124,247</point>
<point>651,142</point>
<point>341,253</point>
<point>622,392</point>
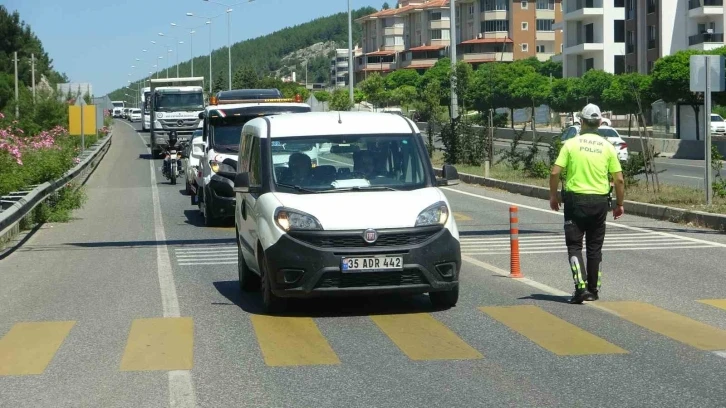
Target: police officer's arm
<point>560,163</point>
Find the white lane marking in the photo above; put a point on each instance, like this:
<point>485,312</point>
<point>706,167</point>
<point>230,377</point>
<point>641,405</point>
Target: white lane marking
<point>690,177</point>
<point>181,388</point>
<point>628,227</point>
<point>720,353</point>
<point>207,263</point>
<point>212,257</point>
<point>193,249</point>
<point>537,285</point>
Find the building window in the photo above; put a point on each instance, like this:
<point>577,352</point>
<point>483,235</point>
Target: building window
<point>435,16</point>
<point>525,47</point>
<point>651,37</point>
<point>524,4</point>
<point>630,43</point>
<point>589,64</point>
<point>495,25</point>
<point>619,64</point>
<point>630,12</point>
<point>619,3</point>
<point>651,6</point>
<point>525,26</point>
<point>651,64</point>
<point>545,25</point>
<point>435,34</point>
<point>471,10</point>
<point>545,4</point>
<point>619,31</point>
<point>494,5</point>
<point>540,48</point>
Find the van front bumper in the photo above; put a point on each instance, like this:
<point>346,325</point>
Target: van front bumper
<point>220,196</point>
<point>309,264</point>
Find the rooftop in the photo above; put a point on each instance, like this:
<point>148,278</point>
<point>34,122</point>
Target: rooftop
<point>326,123</point>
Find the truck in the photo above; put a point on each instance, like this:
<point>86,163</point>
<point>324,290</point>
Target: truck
<point>145,113</point>
<point>175,107</point>
<point>118,108</point>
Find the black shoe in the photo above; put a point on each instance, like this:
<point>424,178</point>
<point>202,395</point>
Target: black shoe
<point>591,295</point>
<point>578,297</point>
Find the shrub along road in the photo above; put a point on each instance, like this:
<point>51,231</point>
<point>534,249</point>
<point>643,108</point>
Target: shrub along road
<point>136,304</point>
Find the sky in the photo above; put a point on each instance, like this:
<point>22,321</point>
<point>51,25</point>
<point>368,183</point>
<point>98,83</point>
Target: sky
<point>97,41</point>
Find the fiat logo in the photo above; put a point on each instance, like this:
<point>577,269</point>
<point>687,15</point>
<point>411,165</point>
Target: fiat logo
<point>370,236</point>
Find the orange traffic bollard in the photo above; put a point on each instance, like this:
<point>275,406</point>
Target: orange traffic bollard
<point>514,269</point>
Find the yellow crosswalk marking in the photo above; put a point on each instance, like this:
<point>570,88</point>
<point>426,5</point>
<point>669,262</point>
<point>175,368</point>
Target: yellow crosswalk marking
<point>551,332</point>
<point>292,341</point>
<point>669,324</point>
<point>720,303</point>
<point>421,337</point>
<point>29,347</point>
<point>159,344</point>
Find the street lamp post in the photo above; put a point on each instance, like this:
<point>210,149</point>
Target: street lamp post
<point>209,23</point>
<point>191,42</point>
<point>350,55</point>
<point>229,38</point>
<point>177,50</point>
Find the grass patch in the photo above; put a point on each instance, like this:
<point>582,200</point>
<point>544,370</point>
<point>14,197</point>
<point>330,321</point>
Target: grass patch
<point>670,195</point>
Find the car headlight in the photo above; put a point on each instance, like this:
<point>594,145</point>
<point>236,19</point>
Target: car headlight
<point>157,125</point>
<point>436,214</point>
<point>219,166</point>
<point>293,220</point>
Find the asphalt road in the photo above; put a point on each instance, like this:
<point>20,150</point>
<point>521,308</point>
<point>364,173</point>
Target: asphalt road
<point>135,303</point>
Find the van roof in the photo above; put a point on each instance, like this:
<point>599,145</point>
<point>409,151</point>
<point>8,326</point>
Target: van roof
<point>326,123</point>
<point>234,106</point>
<point>249,94</point>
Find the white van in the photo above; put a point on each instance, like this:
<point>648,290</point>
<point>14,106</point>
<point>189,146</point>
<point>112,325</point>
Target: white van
<point>369,218</point>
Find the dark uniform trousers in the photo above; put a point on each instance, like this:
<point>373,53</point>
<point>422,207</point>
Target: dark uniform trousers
<point>585,217</point>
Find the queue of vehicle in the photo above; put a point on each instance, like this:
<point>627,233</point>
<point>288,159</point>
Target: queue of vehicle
<point>323,204</point>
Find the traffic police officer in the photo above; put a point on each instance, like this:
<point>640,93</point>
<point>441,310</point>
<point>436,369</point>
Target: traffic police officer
<point>588,159</point>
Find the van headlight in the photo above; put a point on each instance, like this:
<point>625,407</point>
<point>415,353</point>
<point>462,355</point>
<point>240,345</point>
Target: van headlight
<point>436,214</point>
<point>293,220</point>
<point>219,166</point>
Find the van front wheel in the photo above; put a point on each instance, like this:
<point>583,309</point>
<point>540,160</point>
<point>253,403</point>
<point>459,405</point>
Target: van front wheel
<point>446,299</point>
<point>271,303</point>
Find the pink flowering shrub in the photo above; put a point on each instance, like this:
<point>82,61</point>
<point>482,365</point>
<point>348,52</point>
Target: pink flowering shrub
<point>34,159</point>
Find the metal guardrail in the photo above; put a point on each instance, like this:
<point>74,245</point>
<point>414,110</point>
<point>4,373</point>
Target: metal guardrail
<point>17,205</point>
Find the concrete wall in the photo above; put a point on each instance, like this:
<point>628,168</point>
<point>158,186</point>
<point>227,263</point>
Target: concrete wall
<point>680,149</point>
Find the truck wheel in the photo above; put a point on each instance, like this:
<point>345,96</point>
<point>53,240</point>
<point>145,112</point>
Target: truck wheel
<point>446,299</point>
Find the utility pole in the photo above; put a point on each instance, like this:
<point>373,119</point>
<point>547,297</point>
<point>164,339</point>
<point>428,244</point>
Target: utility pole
<point>32,70</point>
<point>350,55</point>
<point>229,51</point>
<point>17,95</point>
<point>452,52</point>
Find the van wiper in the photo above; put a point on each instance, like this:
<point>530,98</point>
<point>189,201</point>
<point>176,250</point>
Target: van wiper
<point>364,188</point>
<point>297,188</point>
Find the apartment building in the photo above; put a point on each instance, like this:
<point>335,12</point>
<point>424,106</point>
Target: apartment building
<point>339,68</point>
<point>416,34</point>
<point>594,36</point>
<point>654,30</point>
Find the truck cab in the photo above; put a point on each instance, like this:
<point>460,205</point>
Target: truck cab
<point>223,122</point>
<point>175,107</point>
<point>145,106</point>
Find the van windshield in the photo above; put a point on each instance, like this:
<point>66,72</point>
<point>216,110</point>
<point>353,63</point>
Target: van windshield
<point>348,162</point>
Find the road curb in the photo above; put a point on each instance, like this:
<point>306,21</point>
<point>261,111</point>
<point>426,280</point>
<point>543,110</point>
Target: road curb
<point>25,201</point>
<point>654,211</point>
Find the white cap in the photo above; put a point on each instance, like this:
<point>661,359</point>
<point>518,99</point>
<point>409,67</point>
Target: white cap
<point>591,111</point>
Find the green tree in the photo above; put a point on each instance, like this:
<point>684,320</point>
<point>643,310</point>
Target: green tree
<point>404,95</point>
<point>386,6</point>
<point>440,73</point>
<point>340,100</point>
<point>534,88</point>
<point>593,85</point>
<point>671,81</point>
<point>245,78</point>
<point>564,95</point>
<point>374,89</point>
<point>401,77</point>
<point>220,83</point>
<point>626,90</point>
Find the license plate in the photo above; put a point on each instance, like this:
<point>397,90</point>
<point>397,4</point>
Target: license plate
<point>372,264</point>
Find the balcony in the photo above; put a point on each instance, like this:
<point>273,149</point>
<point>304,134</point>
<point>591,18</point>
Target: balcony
<point>705,42</point>
<point>376,67</point>
<point>440,24</point>
<point>583,9</point>
<point>476,57</point>
<point>394,30</point>
<point>488,15</point>
<point>545,36</point>
<point>705,8</point>
<point>584,48</point>
<point>629,48</point>
<point>545,56</point>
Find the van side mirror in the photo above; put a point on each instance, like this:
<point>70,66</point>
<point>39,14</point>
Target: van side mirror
<point>242,183</point>
<point>449,176</point>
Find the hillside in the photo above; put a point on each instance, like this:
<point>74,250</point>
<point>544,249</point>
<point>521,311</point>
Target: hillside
<point>265,53</point>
